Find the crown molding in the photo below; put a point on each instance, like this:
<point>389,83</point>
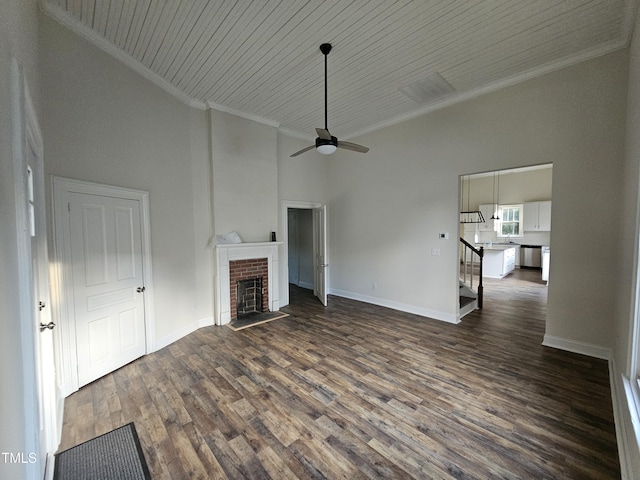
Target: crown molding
<point>493,87</point>
<point>245,115</point>
<point>296,134</point>
<point>88,34</point>
<point>109,48</point>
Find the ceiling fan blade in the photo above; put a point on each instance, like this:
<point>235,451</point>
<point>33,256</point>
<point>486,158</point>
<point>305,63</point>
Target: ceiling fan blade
<point>323,133</point>
<point>302,151</point>
<point>352,146</point>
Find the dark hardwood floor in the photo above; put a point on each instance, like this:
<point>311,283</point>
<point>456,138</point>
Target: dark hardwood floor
<point>359,391</point>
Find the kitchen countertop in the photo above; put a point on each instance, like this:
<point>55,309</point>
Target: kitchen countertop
<point>504,246</point>
<point>498,246</point>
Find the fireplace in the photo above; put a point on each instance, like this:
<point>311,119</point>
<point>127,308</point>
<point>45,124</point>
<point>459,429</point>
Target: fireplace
<point>245,261</point>
<point>248,279</point>
<point>249,296</point>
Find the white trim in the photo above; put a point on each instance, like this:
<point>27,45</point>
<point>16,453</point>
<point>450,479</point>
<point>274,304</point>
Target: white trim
<point>79,28</point>
<point>226,253</point>
<point>296,134</point>
<point>64,306</point>
<point>403,307</point>
<point>493,87</point>
<point>575,346</point>
<point>22,114</point>
<point>241,114</point>
<point>181,333</point>
<point>627,421</point>
<point>626,438</point>
<point>61,16</point>
<point>206,322</point>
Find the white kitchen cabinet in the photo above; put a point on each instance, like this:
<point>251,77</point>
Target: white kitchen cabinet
<point>498,262</point>
<point>537,216</point>
<point>487,212</point>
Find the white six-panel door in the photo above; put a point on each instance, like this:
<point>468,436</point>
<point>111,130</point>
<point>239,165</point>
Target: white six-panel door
<point>108,283</point>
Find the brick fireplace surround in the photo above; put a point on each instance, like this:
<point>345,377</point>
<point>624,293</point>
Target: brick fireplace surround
<point>245,256</point>
<point>247,270</point>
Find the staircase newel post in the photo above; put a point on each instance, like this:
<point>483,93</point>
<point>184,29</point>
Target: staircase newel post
<point>480,287</point>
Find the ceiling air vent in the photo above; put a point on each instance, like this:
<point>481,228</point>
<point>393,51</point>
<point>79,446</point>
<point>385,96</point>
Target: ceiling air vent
<point>432,87</point>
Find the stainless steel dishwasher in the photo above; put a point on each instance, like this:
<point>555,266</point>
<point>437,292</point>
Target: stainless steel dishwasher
<point>530,256</point>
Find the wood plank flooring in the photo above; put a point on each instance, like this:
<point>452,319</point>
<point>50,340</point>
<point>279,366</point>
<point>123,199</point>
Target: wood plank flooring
<point>358,391</point>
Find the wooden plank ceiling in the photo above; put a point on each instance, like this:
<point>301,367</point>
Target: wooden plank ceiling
<point>391,59</point>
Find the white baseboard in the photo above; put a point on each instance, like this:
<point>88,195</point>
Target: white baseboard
<point>403,307</point>
<point>183,332</point>
<point>574,346</point>
<point>206,322</point>
<point>626,416</point>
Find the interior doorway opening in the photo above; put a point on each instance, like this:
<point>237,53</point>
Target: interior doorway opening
<point>514,223</point>
<point>304,228</point>
<point>300,253</point>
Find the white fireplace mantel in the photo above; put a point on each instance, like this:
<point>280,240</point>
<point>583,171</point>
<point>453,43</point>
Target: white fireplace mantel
<point>225,253</point>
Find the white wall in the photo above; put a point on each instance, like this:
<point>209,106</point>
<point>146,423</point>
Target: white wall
<point>388,206</point>
<point>515,187</point>
<point>202,213</point>
<point>18,408</point>
<point>302,179</point>
<point>245,177</point>
<point>106,124</point>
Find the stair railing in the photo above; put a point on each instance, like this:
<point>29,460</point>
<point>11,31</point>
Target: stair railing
<point>468,257</point>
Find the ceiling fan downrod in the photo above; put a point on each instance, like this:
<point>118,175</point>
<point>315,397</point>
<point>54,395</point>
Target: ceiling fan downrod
<point>325,48</point>
<point>325,142</point>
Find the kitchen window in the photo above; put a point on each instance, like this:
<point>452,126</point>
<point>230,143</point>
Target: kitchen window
<point>510,223</point>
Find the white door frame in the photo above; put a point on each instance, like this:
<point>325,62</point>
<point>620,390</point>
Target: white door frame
<point>40,406</point>
<point>320,255</point>
<point>285,206</point>
<point>62,253</point>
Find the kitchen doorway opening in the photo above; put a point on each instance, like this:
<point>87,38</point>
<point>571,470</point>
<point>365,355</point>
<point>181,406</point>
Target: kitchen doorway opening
<point>513,226</point>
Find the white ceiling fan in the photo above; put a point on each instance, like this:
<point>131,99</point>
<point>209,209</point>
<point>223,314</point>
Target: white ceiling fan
<point>327,143</point>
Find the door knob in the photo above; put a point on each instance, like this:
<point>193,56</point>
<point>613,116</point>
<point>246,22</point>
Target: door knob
<point>140,289</point>
<point>49,325</point>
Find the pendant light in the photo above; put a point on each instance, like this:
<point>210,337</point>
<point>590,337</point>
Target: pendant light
<point>498,197</point>
<point>468,216</point>
<point>495,204</point>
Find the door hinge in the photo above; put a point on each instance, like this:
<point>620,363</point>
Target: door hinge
<point>45,326</point>
<point>69,207</point>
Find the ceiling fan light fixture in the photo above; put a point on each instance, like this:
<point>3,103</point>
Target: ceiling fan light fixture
<point>325,146</point>
<point>326,149</point>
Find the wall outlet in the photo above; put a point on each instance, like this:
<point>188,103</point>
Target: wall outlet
<point>444,235</point>
<point>435,252</point>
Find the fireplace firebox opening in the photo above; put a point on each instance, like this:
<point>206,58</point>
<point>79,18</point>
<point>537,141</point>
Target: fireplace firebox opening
<point>249,296</point>
<point>248,270</point>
